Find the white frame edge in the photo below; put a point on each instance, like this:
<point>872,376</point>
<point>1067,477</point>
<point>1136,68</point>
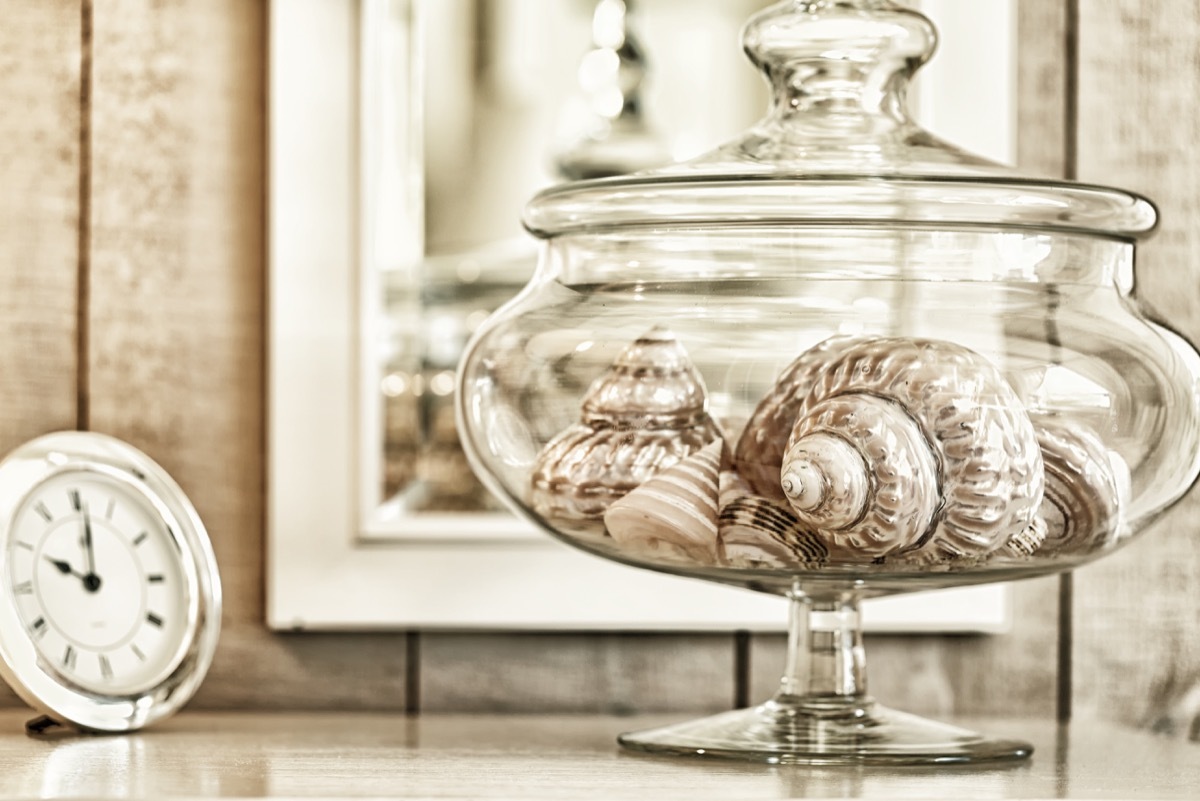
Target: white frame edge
<point>324,570</point>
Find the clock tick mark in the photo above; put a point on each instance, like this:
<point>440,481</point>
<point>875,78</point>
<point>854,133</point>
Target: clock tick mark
<point>76,501</point>
<point>105,668</point>
<point>137,652</point>
<point>44,511</point>
<point>140,538</point>
<point>112,504</point>
<point>154,578</point>
<point>69,657</point>
<point>26,545</point>
<point>24,588</point>
<point>154,619</point>
<point>39,627</point>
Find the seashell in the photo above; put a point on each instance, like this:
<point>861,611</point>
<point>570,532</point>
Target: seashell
<point>674,512</point>
<point>757,532</point>
<point>834,447</point>
<point>1082,502</point>
<point>644,414</point>
<point>1025,543</point>
<point>759,452</point>
<point>732,486</point>
<point>898,445</point>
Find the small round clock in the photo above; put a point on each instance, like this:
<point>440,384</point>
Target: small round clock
<point>110,601</point>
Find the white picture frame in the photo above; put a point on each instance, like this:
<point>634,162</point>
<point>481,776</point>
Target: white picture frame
<point>331,563</point>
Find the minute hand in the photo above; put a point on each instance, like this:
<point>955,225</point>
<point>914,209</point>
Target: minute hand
<point>87,542</point>
<point>91,582</point>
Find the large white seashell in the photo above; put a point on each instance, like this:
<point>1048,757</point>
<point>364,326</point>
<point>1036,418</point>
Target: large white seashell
<point>759,533</point>
<point>759,452</point>
<point>646,413</point>
<point>1082,503</point>
<point>986,480</point>
<point>830,475</point>
<point>675,512</point>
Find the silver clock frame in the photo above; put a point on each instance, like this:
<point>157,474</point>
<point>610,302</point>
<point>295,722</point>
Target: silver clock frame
<point>39,684</point>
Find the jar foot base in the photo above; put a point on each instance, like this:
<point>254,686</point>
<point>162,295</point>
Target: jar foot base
<point>814,732</point>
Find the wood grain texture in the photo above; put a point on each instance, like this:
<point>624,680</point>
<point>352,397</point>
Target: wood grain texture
<point>40,118</point>
<point>207,755</point>
<point>598,673</point>
<point>1137,646</point>
<point>1042,87</point>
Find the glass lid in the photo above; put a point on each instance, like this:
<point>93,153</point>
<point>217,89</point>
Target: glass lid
<point>839,147</point>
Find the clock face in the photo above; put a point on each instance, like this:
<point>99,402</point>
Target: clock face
<point>97,580</point>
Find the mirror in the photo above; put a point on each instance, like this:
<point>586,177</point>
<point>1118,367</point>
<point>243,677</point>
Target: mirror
<point>511,96</point>
<point>394,226</point>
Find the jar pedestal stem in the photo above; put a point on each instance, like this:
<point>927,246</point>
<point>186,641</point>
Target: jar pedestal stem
<point>821,714</point>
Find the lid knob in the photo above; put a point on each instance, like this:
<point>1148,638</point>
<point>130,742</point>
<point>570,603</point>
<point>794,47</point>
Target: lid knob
<point>845,57</point>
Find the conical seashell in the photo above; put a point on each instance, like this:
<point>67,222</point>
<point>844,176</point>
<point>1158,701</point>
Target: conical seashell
<point>1082,501</point>
<point>674,512</point>
<point>987,465</point>
<point>732,486</point>
<point>756,532</point>
<point>645,414</point>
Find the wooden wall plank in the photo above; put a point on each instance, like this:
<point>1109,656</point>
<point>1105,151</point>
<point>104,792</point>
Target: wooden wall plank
<point>176,316</point>
<point>599,673</point>
<point>1137,640</point>
<point>1042,87</point>
<point>40,45</point>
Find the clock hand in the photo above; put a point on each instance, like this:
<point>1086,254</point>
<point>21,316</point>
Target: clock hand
<point>65,568</point>
<point>91,582</point>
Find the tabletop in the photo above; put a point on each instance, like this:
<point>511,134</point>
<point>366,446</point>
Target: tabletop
<point>342,756</point>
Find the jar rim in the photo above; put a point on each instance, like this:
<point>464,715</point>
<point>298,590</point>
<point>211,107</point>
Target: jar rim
<point>694,200</point>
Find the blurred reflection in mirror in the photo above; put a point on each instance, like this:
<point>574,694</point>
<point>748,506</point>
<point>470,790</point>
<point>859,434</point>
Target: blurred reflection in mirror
<point>515,95</point>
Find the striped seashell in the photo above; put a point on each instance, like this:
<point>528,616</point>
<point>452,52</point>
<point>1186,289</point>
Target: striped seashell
<point>732,487</point>
<point>1082,503</point>
<point>986,480</point>
<point>756,532</point>
<point>643,415</point>
<point>1026,543</point>
<point>675,512</point>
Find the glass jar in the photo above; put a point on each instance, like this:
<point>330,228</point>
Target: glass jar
<point>835,359</point>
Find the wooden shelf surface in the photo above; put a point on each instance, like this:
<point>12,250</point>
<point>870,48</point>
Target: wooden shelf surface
<point>231,755</point>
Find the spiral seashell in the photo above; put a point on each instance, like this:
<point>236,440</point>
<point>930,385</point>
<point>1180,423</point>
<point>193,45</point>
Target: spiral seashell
<point>862,411</point>
<point>675,512</point>
<point>644,414</point>
<point>834,447</point>
<point>756,532</point>
<point>759,452</point>
<point>1082,502</point>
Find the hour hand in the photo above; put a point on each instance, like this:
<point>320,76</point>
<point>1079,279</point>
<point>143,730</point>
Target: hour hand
<point>64,567</point>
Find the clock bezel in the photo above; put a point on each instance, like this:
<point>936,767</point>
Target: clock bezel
<point>39,683</point>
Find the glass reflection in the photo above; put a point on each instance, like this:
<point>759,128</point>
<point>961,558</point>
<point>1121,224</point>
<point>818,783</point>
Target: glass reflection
<point>514,95</point>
